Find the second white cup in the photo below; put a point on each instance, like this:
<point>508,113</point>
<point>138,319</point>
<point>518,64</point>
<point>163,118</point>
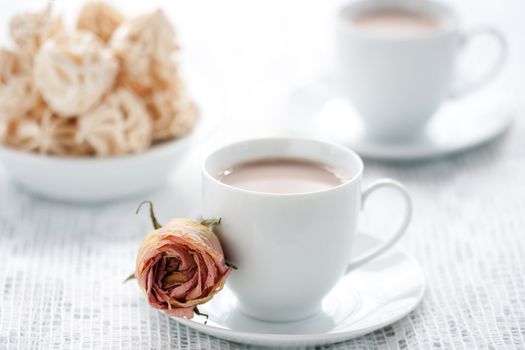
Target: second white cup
<point>397,79</point>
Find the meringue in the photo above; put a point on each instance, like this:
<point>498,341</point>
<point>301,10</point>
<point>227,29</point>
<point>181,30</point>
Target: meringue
<point>73,71</point>
<point>17,92</point>
<point>30,29</point>
<point>173,113</point>
<point>45,132</point>
<point>99,19</point>
<point>119,125</point>
<point>145,46</point>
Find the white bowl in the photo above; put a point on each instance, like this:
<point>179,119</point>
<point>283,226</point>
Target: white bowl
<point>93,179</point>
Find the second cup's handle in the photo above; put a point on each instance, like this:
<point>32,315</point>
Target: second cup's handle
<point>494,69</point>
<point>366,257</point>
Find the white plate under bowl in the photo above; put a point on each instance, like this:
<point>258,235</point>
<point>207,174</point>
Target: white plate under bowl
<point>90,179</point>
<point>321,110</point>
<point>369,298</point>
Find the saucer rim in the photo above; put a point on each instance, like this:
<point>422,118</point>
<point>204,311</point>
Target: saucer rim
<point>377,151</point>
<point>384,151</point>
<point>310,339</point>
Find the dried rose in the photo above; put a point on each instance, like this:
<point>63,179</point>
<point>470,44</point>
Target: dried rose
<point>180,266</point>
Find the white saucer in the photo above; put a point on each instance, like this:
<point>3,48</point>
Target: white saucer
<point>320,110</point>
<point>371,297</point>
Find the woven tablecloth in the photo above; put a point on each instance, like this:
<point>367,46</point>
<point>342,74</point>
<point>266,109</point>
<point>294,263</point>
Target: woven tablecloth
<point>62,265</point>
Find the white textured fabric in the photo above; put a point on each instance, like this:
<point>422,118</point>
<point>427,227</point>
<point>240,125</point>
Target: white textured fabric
<point>62,265</point>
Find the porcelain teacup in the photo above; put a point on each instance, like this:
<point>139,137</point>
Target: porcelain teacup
<point>290,249</point>
<point>395,79</point>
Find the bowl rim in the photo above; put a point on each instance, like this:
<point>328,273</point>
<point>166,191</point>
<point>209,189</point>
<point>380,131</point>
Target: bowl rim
<point>160,148</point>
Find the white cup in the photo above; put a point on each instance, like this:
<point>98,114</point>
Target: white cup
<point>397,82</point>
<point>290,249</point>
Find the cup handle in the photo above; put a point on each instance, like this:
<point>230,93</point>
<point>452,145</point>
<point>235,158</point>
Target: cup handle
<point>468,87</point>
<point>374,252</point>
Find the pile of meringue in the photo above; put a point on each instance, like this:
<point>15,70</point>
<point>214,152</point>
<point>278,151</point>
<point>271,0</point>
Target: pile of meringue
<point>109,87</point>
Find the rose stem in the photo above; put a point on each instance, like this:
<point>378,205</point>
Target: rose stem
<point>211,222</point>
<point>196,310</point>
<point>130,277</point>
<point>154,221</point>
<point>229,264</point>
<point>214,222</point>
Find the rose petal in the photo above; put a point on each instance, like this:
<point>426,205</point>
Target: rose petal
<point>197,290</point>
<point>211,275</point>
<point>181,291</point>
<point>175,278</point>
<point>186,312</point>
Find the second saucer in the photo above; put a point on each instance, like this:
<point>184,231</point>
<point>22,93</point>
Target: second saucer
<point>321,110</point>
